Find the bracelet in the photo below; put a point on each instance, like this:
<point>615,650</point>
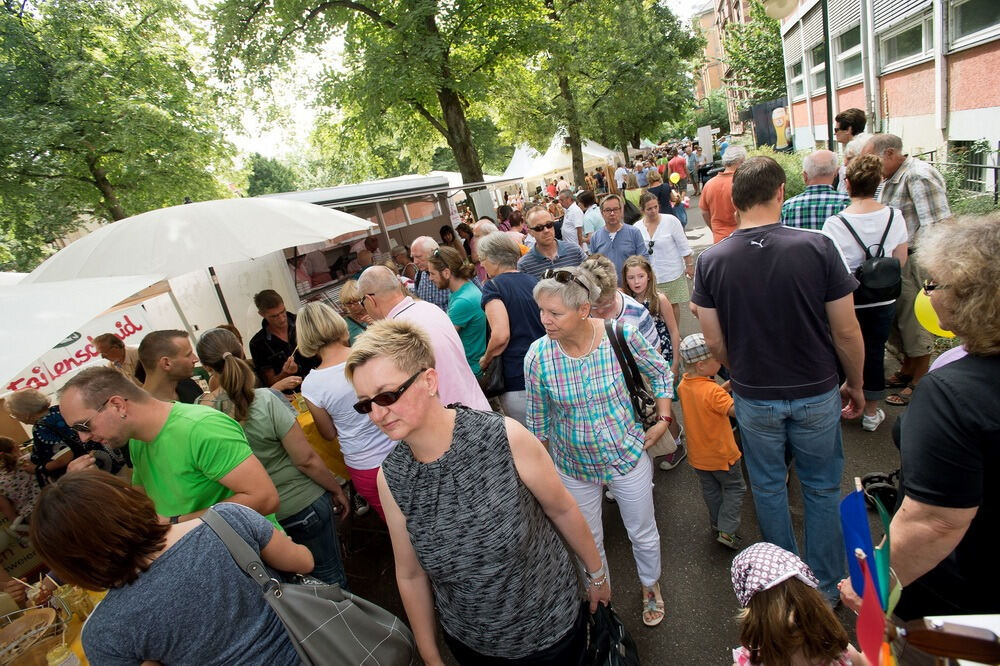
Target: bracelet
<point>599,582</point>
<point>666,419</point>
<point>600,573</point>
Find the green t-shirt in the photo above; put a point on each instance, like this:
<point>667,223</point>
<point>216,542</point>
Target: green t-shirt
<point>354,329</point>
<point>467,314</point>
<point>181,468</point>
<point>270,419</point>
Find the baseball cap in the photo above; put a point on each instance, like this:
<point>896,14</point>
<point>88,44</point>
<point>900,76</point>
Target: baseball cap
<point>694,349</point>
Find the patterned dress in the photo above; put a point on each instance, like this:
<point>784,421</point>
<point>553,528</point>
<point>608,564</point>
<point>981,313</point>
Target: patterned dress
<point>666,346</point>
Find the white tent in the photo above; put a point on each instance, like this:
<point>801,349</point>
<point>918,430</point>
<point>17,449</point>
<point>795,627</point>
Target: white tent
<point>557,160</point>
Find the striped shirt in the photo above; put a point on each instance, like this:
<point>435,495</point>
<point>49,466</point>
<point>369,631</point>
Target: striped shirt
<point>426,290</point>
<point>535,263</point>
<point>811,209</point>
<point>581,405</point>
<point>635,313</point>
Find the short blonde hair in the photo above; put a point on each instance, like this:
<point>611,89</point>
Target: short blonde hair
<point>27,402</point>
<point>961,254</point>
<point>350,293</point>
<point>603,273</point>
<point>316,326</point>
<point>405,343</point>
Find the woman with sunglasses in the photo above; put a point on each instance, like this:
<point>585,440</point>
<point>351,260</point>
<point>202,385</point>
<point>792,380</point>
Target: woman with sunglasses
<point>55,444</point>
<point>478,518</point>
<point>578,404</point>
<point>329,397</point>
<point>669,251</point>
<point>882,230</point>
<point>943,534</point>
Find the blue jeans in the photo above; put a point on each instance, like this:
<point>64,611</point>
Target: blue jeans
<point>808,428</point>
<point>315,528</point>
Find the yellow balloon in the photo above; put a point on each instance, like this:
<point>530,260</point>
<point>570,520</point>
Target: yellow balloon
<point>927,317</point>
<point>675,177</point>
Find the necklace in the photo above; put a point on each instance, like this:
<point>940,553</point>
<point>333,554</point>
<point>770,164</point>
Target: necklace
<point>587,350</point>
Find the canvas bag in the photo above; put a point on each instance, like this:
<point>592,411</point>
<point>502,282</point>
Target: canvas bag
<point>643,402</point>
<point>325,624</point>
<point>881,277</point>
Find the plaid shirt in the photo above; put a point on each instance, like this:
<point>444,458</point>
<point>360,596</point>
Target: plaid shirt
<point>581,405</point>
<point>810,209</point>
<point>426,290</point>
<point>918,190</point>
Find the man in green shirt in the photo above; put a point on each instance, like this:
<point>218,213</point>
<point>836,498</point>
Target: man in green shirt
<point>449,270</point>
<point>186,457</point>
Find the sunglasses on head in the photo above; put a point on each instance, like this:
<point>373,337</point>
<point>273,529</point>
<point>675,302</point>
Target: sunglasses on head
<point>931,285</point>
<point>564,277</point>
<point>386,398</point>
<point>543,227</point>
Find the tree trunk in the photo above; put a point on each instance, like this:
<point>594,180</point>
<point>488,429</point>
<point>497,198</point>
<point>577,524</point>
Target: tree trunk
<point>636,140</point>
<point>102,183</point>
<point>623,141</point>
<point>573,127</point>
<point>459,136</point>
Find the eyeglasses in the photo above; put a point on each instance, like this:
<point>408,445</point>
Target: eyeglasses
<point>564,277</point>
<point>930,285</point>
<point>84,426</point>
<point>542,227</point>
<point>386,398</point>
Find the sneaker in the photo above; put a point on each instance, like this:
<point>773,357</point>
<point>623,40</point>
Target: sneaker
<point>729,540</point>
<point>359,505</point>
<point>674,459</point>
<point>610,496</point>
<point>869,423</point>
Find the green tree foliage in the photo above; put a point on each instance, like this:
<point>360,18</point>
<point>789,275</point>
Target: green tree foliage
<point>268,175</point>
<point>102,115</point>
<point>416,69</point>
<point>753,52</point>
<point>710,111</point>
<point>791,163</point>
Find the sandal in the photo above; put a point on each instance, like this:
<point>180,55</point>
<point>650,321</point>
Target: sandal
<point>901,399</point>
<point>652,605</point>
<point>898,380</point>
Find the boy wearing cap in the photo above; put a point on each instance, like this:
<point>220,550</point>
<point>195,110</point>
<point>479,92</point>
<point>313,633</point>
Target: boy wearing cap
<point>712,449</point>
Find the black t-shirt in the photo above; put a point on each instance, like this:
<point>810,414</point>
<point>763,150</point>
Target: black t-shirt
<point>950,452</point>
<point>770,286</point>
<point>188,391</point>
<point>268,351</point>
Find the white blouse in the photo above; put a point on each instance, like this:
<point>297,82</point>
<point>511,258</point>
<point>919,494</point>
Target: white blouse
<point>670,246</point>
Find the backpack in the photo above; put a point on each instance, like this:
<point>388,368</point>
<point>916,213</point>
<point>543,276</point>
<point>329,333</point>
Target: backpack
<point>881,277</point>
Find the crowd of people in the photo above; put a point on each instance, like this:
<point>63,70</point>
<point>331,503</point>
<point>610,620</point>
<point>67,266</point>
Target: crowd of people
<point>503,499</point>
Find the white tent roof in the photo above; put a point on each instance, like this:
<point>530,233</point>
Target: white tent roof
<point>557,158</point>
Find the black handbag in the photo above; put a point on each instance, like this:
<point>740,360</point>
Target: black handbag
<point>491,381</point>
<point>880,277</point>
<point>608,642</point>
<point>643,402</point>
<point>325,624</point>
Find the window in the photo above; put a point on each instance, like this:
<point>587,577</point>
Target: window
<point>817,71</point>
<point>974,19</point>
<point>907,44</point>
<point>796,82</point>
<point>849,54</point>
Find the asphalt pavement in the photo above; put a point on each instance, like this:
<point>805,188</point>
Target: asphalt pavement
<point>700,626</point>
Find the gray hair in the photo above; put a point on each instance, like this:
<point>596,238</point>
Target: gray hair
<point>820,164</point>
<point>484,228</point>
<point>566,194</point>
<point>425,242</point>
<point>572,294</point>
<point>734,155</point>
<point>378,280</point>
<point>856,145</point>
<point>883,142</point>
<point>500,249</point>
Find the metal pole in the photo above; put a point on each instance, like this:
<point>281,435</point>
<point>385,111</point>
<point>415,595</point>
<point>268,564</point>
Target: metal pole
<point>831,142</point>
<point>218,292</point>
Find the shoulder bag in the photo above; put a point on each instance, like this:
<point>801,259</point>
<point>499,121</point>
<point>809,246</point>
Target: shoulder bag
<point>608,642</point>
<point>880,277</point>
<point>643,402</point>
<point>325,624</point>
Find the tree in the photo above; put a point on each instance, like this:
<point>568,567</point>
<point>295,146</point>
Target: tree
<point>754,56</point>
<point>710,111</point>
<point>268,175</point>
<point>406,62</point>
<point>102,115</point>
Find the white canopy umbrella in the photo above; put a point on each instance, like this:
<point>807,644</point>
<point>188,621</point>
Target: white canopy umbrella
<point>180,239</point>
<point>39,316</point>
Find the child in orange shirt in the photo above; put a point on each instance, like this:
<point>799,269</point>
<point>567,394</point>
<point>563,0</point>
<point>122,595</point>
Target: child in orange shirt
<point>712,449</point>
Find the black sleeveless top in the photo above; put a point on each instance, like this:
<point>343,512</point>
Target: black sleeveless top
<point>504,583</point>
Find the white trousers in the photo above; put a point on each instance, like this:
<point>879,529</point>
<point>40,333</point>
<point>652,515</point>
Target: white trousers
<point>634,494</point>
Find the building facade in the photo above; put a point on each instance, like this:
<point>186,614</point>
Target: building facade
<point>710,75</point>
<point>726,12</point>
<point>925,70</point>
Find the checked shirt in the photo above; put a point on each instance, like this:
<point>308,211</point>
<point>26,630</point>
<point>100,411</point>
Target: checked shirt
<point>810,209</point>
